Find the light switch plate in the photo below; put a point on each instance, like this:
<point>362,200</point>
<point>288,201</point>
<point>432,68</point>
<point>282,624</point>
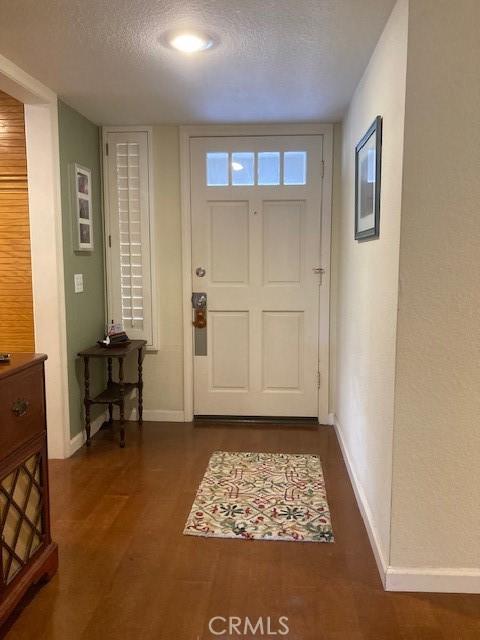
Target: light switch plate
<point>78,281</point>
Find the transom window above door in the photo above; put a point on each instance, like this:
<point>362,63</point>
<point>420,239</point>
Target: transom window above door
<point>248,168</point>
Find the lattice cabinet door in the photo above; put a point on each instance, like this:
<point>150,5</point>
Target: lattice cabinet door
<point>27,553</point>
<point>21,515</point>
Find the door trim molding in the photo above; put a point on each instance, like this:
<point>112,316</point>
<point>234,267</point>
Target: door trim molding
<point>207,131</point>
<point>46,243</point>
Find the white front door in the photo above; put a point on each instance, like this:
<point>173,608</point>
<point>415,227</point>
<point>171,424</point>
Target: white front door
<point>256,221</point>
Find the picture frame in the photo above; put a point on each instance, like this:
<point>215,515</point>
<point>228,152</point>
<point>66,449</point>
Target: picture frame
<point>368,169</point>
<point>82,206</point>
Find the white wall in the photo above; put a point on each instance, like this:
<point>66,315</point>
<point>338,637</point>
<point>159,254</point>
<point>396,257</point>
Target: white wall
<point>41,129</point>
<point>436,510</point>
<point>367,284</point>
<point>163,370</point>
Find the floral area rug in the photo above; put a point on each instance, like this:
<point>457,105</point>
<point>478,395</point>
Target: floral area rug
<point>262,496</point>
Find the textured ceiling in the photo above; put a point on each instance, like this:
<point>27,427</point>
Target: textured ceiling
<point>278,60</point>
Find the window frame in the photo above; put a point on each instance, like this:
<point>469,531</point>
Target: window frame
<point>153,337</point>
<point>230,154</point>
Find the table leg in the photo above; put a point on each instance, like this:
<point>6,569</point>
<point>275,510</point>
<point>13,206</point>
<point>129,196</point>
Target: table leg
<point>121,402</point>
<point>140,386</point>
<point>86,400</point>
<point>110,406</point>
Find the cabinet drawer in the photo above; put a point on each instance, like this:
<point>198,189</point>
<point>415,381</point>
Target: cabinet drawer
<point>22,408</point>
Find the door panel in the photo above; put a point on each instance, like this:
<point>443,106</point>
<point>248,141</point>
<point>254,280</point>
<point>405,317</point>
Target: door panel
<point>229,340</point>
<point>229,243</point>
<point>258,245</point>
<point>283,242</point>
<point>283,351</point>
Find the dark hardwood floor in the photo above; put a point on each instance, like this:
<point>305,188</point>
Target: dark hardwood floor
<point>127,572</point>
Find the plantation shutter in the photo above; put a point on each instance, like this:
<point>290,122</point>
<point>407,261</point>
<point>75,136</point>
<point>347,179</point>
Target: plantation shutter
<point>128,249</point>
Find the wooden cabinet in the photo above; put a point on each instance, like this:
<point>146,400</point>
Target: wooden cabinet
<point>27,553</point>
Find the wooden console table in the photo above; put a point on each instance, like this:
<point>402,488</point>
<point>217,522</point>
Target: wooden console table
<point>115,392</point>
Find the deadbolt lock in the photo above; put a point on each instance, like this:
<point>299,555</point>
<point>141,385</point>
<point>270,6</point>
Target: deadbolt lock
<point>199,300</point>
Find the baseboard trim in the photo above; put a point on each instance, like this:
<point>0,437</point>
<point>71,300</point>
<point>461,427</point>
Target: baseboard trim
<point>424,579</point>
<point>148,415</point>
<point>363,506</point>
<point>79,440</point>
<point>158,415</point>
<point>433,580</point>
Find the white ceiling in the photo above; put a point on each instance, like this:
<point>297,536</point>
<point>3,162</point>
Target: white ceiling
<point>278,60</point>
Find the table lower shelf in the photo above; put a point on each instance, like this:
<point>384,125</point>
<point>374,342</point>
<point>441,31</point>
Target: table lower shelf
<point>112,395</point>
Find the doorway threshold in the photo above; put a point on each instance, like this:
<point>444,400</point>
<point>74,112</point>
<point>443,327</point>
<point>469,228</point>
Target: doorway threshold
<point>252,421</point>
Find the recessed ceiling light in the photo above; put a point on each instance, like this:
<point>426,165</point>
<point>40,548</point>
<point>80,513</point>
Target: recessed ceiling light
<point>188,41</point>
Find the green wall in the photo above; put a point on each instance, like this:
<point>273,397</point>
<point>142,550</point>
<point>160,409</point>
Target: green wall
<point>79,141</point>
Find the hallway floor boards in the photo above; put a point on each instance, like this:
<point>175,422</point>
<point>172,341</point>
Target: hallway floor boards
<point>127,572</point>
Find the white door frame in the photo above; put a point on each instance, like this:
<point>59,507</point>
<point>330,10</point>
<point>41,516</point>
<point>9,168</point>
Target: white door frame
<point>205,131</point>
<point>43,164</point>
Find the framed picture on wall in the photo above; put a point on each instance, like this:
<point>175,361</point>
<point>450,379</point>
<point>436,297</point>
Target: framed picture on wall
<point>368,164</point>
<point>83,223</point>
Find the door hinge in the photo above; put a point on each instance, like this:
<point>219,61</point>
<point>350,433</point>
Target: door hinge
<point>322,168</point>
<point>110,241</point>
<point>106,149</point>
<point>318,379</point>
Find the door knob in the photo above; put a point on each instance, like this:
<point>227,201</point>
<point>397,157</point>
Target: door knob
<point>200,318</point>
<point>319,270</point>
<point>200,271</point>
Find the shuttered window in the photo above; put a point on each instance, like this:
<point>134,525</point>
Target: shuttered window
<point>128,225</point>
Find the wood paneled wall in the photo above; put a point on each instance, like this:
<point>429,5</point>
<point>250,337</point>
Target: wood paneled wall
<point>16,300</point>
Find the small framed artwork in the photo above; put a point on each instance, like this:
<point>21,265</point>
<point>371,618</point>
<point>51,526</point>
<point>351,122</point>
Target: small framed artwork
<point>368,165</point>
<point>83,227</point>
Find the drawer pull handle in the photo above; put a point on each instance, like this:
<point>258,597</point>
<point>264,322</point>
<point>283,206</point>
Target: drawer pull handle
<point>20,407</point>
